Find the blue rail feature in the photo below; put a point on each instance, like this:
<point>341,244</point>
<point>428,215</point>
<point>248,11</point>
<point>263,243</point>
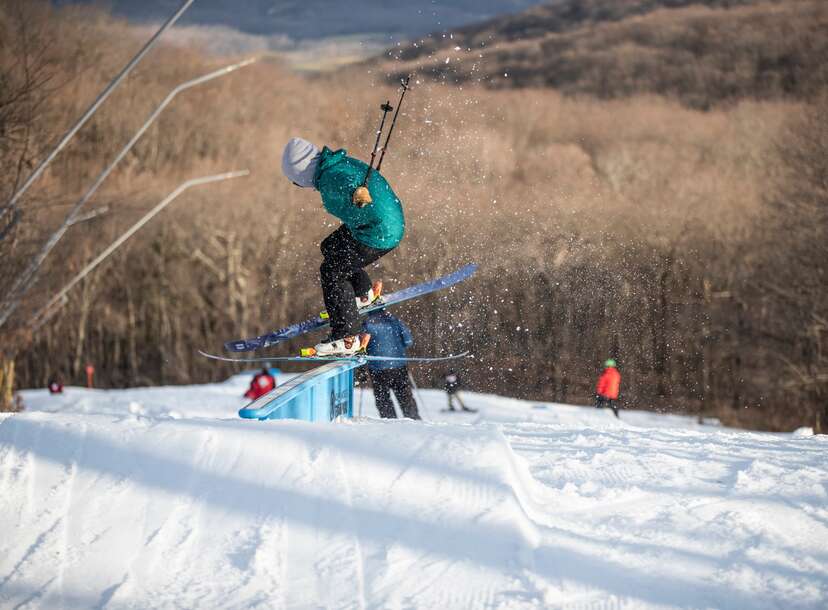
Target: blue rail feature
<point>322,394</point>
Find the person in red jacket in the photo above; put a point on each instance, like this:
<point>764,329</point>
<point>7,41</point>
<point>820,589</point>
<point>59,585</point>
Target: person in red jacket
<point>608,386</point>
<point>261,384</point>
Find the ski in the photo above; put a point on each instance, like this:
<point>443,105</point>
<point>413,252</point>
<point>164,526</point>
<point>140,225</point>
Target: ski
<point>320,321</point>
<point>364,357</point>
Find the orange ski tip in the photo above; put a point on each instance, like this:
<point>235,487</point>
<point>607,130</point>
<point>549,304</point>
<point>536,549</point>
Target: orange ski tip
<point>307,352</point>
<point>364,338</point>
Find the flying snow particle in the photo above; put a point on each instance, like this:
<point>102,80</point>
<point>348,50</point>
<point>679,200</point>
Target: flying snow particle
<point>448,59</point>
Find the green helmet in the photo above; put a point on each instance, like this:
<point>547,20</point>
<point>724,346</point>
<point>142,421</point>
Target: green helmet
<point>610,363</point>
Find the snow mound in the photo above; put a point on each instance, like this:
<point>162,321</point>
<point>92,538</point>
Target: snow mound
<point>163,498</point>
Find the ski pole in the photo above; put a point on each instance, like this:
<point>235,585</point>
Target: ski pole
<point>418,399</point>
<point>404,83</point>
<point>386,108</point>
<point>361,196</point>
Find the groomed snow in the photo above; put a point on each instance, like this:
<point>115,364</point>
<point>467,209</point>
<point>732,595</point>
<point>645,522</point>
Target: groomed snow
<point>163,498</point>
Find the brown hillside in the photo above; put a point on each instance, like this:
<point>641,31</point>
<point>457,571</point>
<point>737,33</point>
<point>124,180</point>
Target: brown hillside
<point>701,53</point>
<point>667,237</point>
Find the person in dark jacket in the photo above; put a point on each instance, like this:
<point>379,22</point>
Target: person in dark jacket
<point>368,232</point>
<point>390,338</point>
<point>261,384</point>
<point>452,387</point>
<point>608,387</point>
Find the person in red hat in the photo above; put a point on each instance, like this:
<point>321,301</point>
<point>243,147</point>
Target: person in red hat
<point>608,387</point>
<point>261,384</point>
<point>55,385</point>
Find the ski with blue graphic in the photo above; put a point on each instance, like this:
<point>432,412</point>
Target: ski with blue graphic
<point>321,321</point>
<point>359,356</point>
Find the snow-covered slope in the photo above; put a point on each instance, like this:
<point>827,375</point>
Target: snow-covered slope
<point>163,498</point>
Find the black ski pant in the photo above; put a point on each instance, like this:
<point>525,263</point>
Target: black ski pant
<point>387,380</point>
<point>343,279</point>
<point>603,401</point>
<point>452,396</point>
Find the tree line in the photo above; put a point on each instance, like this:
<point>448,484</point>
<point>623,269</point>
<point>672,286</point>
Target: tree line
<point>687,245</point>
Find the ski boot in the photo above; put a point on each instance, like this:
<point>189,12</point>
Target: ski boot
<point>373,296</point>
<point>347,346</point>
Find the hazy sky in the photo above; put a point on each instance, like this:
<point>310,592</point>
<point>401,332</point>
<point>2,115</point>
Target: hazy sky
<point>309,19</point>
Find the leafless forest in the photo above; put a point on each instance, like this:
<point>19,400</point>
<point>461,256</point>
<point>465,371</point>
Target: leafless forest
<point>687,243</point>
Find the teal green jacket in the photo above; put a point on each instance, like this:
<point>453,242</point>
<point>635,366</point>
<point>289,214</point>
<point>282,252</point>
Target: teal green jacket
<point>380,224</point>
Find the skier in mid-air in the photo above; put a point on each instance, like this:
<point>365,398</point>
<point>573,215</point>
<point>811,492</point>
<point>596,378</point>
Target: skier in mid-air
<point>372,226</point>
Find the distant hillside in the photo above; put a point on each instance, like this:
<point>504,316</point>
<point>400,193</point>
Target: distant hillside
<point>701,52</point>
<point>318,19</point>
<point>310,35</point>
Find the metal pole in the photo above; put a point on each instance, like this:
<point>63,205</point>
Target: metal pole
<point>361,195</point>
<point>60,299</point>
<point>24,282</point>
<point>386,108</point>
<point>393,121</point>
<point>94,107</point>
<point>419,399</point>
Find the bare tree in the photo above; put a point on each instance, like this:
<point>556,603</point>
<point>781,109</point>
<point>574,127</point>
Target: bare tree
<point>27,79</point>
<point>794,272</point>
